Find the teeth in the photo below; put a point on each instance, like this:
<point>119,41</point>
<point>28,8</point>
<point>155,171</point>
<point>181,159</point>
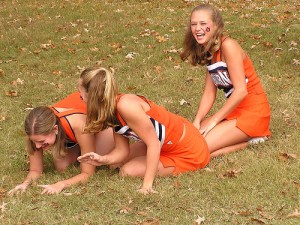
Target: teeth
<point>200,35</point>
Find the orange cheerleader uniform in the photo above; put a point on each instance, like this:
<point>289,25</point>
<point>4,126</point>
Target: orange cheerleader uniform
<point>185,154</point>
<point>75,105</point>
<point>253,113</point>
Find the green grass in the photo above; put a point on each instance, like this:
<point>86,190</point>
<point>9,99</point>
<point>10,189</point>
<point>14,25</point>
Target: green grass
<point>45,43</point>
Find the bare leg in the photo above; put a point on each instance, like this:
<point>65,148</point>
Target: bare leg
<point>62,163</point>
<point>225,138</point>
<point>136,167</point>
<point>226,150</point>
<point>104,141</point>
<point>135,164</point>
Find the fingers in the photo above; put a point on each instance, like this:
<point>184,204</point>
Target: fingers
<point>147,191</point>
<point>86,157</point>
<point>48,189</point>
<point>17,190</point>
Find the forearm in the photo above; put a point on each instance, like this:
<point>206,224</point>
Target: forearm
<point>233,101</point>
<point>78,179</point>
<point>114,157</point>
<point>204,107</point>
<point>151,166</point>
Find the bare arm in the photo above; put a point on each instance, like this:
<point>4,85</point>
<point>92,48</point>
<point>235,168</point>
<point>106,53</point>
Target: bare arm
<point>35,171</point>
<point>207,100</point>
<point>139,122</point>
<point>234,56</point>
<point>87,144</point>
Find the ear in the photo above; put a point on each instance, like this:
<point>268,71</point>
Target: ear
<point>55,128</point>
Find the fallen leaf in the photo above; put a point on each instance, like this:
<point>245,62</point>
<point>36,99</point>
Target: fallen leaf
<point>260,221</point>
<point>182,102</point>
<point>232,173</point>
<point>295,214</point>
<point>285,156</point>
<point>2,207</point>
<point>199,220</point>
<point>11,93</point>
<point>244,213</point>
<point>296,62</point>
<point>56,72</point>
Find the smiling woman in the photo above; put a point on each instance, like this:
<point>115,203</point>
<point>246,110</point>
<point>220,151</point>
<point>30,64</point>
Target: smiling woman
<point>59,128</point>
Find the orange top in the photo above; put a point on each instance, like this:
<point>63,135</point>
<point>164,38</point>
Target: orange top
<point>75,105</point>
<point>168,126</point>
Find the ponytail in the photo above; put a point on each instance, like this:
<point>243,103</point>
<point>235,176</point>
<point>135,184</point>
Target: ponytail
<point>100,85</point>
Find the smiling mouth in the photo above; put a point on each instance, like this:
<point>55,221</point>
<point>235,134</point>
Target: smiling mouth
<point>200,35</point>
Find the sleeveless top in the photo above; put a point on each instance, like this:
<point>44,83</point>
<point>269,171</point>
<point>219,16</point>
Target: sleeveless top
<point>221,77</point>
<point>76,106</point>
<point>168,126</point>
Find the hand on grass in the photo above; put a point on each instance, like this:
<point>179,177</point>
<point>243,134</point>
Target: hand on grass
<point>147,191</point>
<point>52,188</point>
<point>91,158</point>
<point>21,188</point>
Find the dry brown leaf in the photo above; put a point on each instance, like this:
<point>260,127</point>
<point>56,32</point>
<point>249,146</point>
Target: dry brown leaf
<point>267,44</point>
<point>60,86</point>
<point>125,210</point>
<point>56,72</point>
<point>285,156</point>
<point>262,214</point>
<point>1,73</point>
<point>162,39</point>
<point>142,213</point>
<point>260,221</point>
<point>11,93</point>
<point>130,88</point>
<point>72,50</point>
<point>244,213</point>
<point>232,173</point>
<point>94,49</point>
<point>199,220</point>
<point>151,221</point>
<point>177,184</point>
<point>296,62</point>
<point>158,69</point>
<point>295,214</point>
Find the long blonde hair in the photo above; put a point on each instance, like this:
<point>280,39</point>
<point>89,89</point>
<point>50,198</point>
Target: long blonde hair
<point>100,85</point>
<point>41,121</point>
<point>199,54</point>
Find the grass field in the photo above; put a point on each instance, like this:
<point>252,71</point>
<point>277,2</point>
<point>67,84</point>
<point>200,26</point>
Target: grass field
<point>45,44</point>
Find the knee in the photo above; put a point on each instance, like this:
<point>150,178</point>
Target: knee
<point>128,170</point>
<point>61,167</point>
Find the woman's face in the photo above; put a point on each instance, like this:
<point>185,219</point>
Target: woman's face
<point>82,91</point>
<point>202,26</point>
<point>42,141</point>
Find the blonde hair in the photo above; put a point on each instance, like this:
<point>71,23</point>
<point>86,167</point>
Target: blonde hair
<point>41,121</point>
<point>199,54</point>
<point>100,85</point>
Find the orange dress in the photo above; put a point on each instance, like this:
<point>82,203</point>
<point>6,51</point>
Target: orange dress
<point>76,105</point>
<point>253,113</point>
<point>190,154</point>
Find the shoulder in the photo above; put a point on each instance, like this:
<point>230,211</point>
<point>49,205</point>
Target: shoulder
<point>127,100</point>
<point>77,121</point>
<point>231,47</point>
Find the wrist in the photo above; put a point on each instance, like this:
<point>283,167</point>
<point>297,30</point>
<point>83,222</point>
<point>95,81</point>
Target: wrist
<point>62,184</point>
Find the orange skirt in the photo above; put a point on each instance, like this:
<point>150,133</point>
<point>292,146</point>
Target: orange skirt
<point>190,154</point>
<point>253,116</point>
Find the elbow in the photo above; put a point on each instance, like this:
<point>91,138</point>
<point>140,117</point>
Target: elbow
<point>242,93</point>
